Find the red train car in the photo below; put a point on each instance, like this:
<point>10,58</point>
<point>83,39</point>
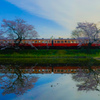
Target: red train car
<point>47,43</point>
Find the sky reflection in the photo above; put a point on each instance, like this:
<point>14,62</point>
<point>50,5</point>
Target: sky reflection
<point>47,86</point>
<point>62,88</point>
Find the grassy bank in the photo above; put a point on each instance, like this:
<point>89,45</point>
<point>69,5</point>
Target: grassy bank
<point>51,61</point>
<point>72,57</point>
<point>29,53</point>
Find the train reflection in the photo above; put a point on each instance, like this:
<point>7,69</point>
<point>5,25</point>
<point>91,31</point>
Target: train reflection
<point>46,70</point>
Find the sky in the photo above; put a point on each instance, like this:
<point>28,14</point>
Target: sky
<point>57,18</point>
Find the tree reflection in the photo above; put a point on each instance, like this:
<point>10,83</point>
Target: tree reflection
<point>16,82</point>
<point>88,78</point>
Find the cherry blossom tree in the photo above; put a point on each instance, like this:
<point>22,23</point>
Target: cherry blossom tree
<point>16,82</point>
<point>16,30</point>
<point>88,79</point>
<point>87,33</point>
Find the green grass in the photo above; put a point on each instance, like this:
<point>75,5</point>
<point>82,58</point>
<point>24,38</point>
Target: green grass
<point>74,57</point>
<point>50,61</point>
<point>29,53</point>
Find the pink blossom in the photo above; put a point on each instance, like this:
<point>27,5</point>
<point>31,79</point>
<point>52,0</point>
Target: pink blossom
<point>17,30</point>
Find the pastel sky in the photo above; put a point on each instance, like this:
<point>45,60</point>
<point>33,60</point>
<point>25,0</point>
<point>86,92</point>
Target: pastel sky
<point>55,18</point>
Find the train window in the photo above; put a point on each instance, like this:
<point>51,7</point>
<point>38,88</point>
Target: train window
<point>75,70</point>
<point>35,41</point>
<point>72,41</point>
<point>46,41</point>
<point>58,70</point>
<point>58,41</point>
<point>32,41</point>
<point>65,70</point>
<point>39,70</point>
<point>61,70</point>
<point>55,41</point>
<point>61,41</point>
<point>46,70</point>
<point>72,70</point>
<point>68,41</point>
<point>42,70</point>
<point>49,41</point>
<point>36,70</point>
<point>42,41</point>
<point>68,70</point>
<point>33,69</point>
<point>75,41</point>
<point>25,41</point>
<point>65,41</point>
<point>39,41</point>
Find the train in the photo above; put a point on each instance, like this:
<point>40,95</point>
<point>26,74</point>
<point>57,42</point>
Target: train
<point>49,43</point>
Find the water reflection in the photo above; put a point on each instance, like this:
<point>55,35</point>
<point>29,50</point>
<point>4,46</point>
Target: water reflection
<point>39,69</point>
<point>88,78</point>
<point>14,81</point>
<point>19,70</point>
<point>19,79</point>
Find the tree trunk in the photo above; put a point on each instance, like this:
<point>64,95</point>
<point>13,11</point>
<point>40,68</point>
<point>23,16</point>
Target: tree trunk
<point>89,47</point>
<point>17,42</point>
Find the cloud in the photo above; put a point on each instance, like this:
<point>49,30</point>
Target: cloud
<point>64,12</point>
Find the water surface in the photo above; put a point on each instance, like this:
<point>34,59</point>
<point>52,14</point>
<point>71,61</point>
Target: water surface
<point>49,83</point>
